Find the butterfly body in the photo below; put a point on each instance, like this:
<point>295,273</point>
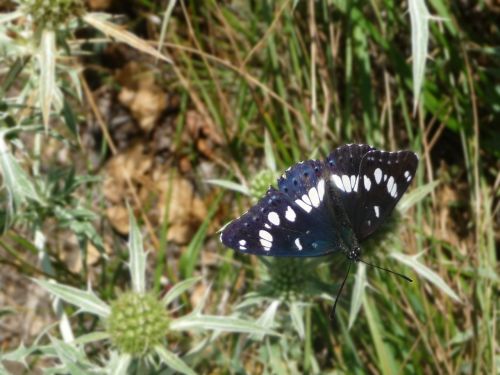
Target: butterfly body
<point>321,207</point>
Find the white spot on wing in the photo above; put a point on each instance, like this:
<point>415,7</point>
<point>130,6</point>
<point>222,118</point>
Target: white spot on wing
<point>290,214</point>
<point>273,218</point>
<point>367,182</point>
<point>298,244</point>
<point>347,183</point>
<point>353,181</point>
<point>267,226</point>
<point>408,176</point>
<point>321,189</point>
<point>390,184</point>
<point>394,191</point>
<point>264,234</point>
<point>314,197</point>
<point>337,181</point>
<point>355,187</point>
<point>377,211</point>
<point>306,200</point>
<point>266,244</point>
<point>303,205</point>
<point>378,175</point>
<point>242,242</point>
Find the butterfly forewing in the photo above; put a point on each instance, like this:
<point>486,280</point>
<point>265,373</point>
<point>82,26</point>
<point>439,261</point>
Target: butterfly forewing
<point>296,220</point>
<point>383,179</point>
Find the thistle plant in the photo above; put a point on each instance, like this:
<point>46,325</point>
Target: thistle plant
<point>34,49</point>
<point>51,14</point>
<point>288,291</point>
<point>261,183</point>
<point>136,324</point>
<point>290,283</point>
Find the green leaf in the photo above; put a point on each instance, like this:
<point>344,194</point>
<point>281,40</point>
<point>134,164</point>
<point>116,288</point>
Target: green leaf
<point>86,301</point>
<point>218,323</point>
<point>118,363</point>
<point>70,119</point>
<point>137,262</point>
<point>266,320</point>
<point>178,289</point>
<point>416,195</point>
<point>72,357</point>
<point>173,361</point>
<point>47,61</point>
<point>16,180</point>
<point>164,23</point>
<point>297,316</point>
<point>358,293</point>
<point>386,360</point>
<point>91,337</point>
<point>230,186</point>
<point>18,355</point>
<point>426,273</point>
<point>4,311</point>
<point>419,18</point>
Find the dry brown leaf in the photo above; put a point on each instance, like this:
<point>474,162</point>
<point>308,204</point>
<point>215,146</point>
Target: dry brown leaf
<point>140,94</point>
<point>186,210</point>
<point>153,187</point>
<point>134,162</point>
<point>99,4</point>
<point>118,217</point>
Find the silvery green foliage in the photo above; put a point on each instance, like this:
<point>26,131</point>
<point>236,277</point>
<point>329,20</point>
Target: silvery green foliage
<point>71,356</point>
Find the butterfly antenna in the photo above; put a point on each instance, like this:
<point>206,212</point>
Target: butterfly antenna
<point>332,313</point>
<point>385,269</point>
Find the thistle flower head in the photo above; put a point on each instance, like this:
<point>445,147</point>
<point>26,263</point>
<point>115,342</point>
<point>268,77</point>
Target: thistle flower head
<point>51,14</point>
<point>261,183</point>
<point>137,323</point>
<point>292,279</point>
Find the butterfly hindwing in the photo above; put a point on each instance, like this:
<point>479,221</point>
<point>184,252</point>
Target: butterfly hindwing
<point>343,163</point>
<point>295,220</point>
<point>383,179</point>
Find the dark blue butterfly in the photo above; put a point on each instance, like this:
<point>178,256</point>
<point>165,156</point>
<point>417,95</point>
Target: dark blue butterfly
<point>327,206</point>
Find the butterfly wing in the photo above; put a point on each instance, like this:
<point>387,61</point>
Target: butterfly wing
<point>343,164</point>
<point>383,179</point>
<point>296,220</point>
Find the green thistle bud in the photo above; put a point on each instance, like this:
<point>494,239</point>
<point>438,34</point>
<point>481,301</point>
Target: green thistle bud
<point>261,183</point>
<point>138,322</point>
<point>287,278</point>
<point>51,14</point>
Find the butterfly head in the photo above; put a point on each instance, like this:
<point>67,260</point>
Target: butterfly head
<point>354,253</point>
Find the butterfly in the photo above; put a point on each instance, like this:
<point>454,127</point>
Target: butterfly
<point>322,207</point>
